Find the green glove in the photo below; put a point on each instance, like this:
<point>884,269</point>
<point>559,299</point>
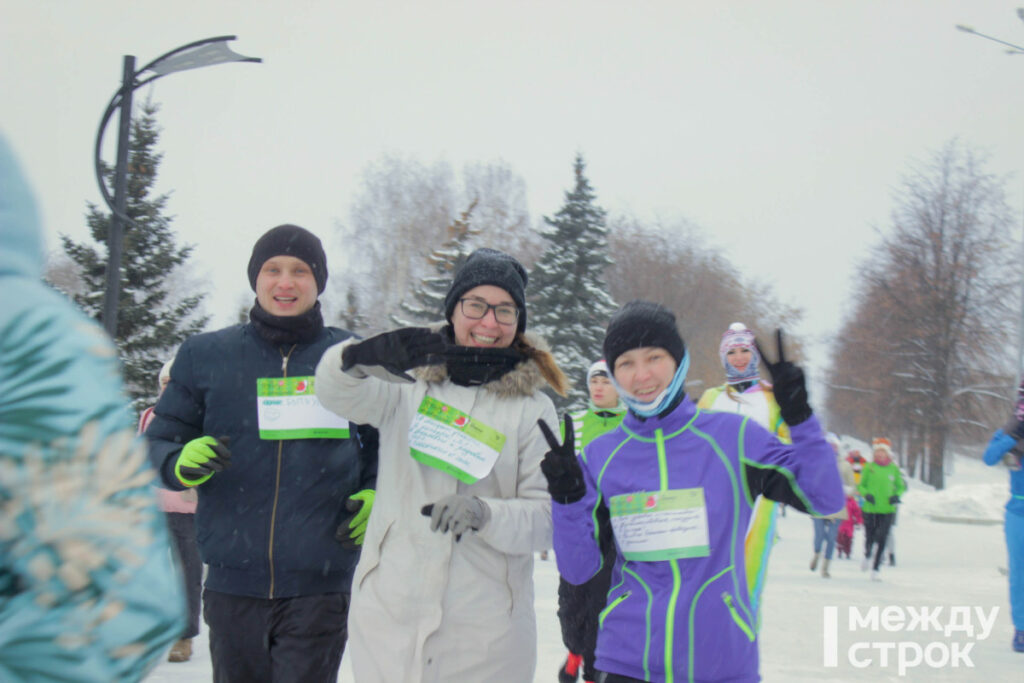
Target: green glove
<point>200,458</point>
<point>351,531</point>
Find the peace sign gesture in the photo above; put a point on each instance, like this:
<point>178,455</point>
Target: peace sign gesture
<point>789,385</point>
<point>560,466</point>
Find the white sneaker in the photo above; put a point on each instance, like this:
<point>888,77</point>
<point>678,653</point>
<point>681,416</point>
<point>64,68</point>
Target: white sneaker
<point>864,564</point>
<point>875,576</point>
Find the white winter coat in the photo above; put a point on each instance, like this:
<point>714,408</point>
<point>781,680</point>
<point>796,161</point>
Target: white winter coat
<point>425,608</point>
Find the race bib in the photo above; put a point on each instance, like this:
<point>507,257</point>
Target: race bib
<point>449,440</point>
<point>661,525</point>
<point>287,408</point>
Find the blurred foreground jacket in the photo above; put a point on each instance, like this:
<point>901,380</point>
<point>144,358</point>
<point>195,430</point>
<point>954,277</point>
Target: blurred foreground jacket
<point>87,588</point>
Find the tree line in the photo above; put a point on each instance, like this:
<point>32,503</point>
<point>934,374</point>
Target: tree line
<point>922,355</point>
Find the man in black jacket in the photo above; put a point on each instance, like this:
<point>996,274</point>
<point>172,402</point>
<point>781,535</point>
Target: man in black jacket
<point>285,486</point>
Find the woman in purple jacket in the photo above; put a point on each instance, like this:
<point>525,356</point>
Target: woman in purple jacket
<point>679,485</point>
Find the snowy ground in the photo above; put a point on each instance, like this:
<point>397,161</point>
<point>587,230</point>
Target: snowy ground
<point>939,565</point>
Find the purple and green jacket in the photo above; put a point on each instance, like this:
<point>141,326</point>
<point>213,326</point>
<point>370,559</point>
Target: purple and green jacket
<point>689,619</point>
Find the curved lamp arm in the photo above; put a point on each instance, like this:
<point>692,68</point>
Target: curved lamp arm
<point>200,53</point>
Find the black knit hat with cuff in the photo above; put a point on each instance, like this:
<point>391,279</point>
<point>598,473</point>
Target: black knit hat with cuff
<point>290,240</point>
<point>489,267</point>
<point>639,324</point>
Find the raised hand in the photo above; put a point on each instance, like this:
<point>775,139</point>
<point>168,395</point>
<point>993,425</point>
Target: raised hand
<point>789,386</point>
<point>396,352</point>
<point>560,465</point>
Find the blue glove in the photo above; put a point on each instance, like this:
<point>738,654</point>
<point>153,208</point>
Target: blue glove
<point>869,498</point>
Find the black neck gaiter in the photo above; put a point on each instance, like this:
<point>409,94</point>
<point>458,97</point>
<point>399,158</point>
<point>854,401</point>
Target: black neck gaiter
<point>287,329</point>
<point>469,366</point>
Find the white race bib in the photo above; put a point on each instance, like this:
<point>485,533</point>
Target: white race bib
<point>661,525</point>
<point>448,439</point>
<point>287,408</point>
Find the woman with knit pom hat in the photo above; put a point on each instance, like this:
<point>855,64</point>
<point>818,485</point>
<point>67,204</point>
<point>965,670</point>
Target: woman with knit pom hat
<point>745,394</point>
<point>881,485</point>
<point>444,588</point>
<point>283,485</point>
<point>678,484</point>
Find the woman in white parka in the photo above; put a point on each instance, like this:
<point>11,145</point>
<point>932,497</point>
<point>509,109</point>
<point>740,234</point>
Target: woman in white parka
<point>444,588</point>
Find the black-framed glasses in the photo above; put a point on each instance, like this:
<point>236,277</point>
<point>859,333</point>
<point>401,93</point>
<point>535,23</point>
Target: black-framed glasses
<point>474,309</point>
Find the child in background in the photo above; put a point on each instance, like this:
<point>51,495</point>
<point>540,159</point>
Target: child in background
<point>854,518</point>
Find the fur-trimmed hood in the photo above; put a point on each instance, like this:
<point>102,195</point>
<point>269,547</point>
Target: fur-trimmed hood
<point>526,379</point>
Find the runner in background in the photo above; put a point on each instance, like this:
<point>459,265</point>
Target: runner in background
<point>1007,446</point>
<point>579,606</point>
<point>745,393</point>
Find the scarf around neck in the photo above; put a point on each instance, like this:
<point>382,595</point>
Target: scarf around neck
<point>664,402</point>
<point>470,366</point>
<point>287,329</point>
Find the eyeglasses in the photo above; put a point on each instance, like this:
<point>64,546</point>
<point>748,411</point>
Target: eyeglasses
<point>474,309</point>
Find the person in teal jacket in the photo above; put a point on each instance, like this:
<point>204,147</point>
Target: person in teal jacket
<point>1007,446</point>
<point>881,485</point>
<point>87,589</point>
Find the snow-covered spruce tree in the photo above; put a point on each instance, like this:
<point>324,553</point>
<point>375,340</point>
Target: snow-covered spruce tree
<point>428,296</point>
<point>152,318</point>
<point>569,300</point>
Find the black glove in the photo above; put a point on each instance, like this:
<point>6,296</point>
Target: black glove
<point>789,387</point>
<point>869,498</point>
<point>396,351</point>
<point>893,500</point>
<point>560,466</point>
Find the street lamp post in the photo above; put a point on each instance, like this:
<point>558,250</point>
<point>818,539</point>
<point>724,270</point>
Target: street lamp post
<point>1014,50</point>
<point>195,55</point>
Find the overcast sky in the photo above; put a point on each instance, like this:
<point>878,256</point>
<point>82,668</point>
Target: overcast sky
<point>781,128</point>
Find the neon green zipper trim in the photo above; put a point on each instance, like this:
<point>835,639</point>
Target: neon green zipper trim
<point>647,619</point>
<point>659,440</point>
<point>670,620</point>
<point>736,616</point>
<point>612,605</point>
<point>693,611</point>
<point>735,516</point>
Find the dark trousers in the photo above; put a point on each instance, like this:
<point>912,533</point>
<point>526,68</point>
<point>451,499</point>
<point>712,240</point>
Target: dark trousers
<point>578,610</point>
<point>876,531</point>
<point>183,536</point>
<point>280,640</point>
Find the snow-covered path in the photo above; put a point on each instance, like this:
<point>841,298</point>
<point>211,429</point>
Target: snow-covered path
<point>940,565</point>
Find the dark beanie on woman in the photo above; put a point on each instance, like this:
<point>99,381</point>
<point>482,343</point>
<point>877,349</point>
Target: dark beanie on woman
<point>290,240</point>
<point>639,324</point>
<point>489,267</point>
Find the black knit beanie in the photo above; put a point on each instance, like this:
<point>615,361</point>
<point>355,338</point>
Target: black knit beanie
<point>642,323</point>
<point>290,240</point>
<point>489,267</point>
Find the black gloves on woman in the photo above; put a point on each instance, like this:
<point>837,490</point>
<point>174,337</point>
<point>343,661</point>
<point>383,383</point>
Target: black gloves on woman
<point>788,385</point>
<point>395,352</point>
<point>560,466</point>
